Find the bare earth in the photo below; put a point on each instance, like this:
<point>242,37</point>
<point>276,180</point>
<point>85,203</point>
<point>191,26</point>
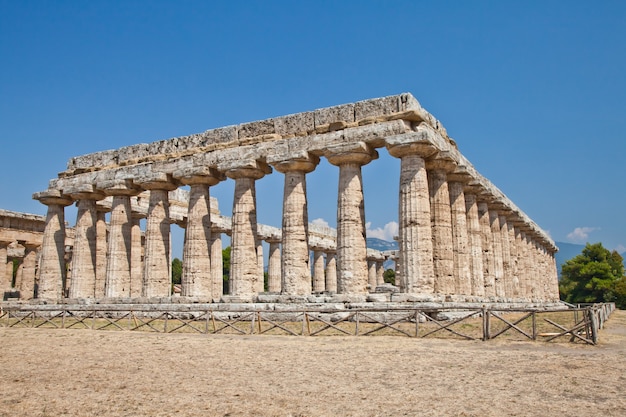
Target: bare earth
<point>47,372</point>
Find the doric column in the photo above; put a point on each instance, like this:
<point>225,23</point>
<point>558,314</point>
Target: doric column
<point>519,262</point>
<point>217,262</point>
<point>83,282</point>
<point>331,271</point>
<point>296,272</point>
<point>136,255</point>
<point>117,280</point>
<point>274,265</point>
<point>319,283</point>
<point>487,246</point>
<point>196,280</point>
<point>9,271</point>
<point>29,265</point>
<point>460,241</point>
<point>371,274</point>
<point>380,272</point>
<point>5,277</point>
<point>351,244</point>
<point>52,264</point>
<point>101,252</point>
<point>157,276</point>
<point>443,255</point>
<point>244,268</point>
<point>19,273</point>
<point>507,275</point>
<point>514,259</point>
<point>414,263</point>
<point>475,243</point>
<point>494,221</point>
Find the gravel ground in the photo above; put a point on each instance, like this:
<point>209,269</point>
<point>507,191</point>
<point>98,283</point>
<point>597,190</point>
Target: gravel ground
<point>48,372</point>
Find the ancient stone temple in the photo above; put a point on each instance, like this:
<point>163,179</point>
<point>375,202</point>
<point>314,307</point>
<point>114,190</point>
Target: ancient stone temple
<point>459,236</point>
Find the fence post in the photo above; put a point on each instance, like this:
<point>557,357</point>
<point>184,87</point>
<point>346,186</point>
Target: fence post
<point>594,324</point>
<point>485,324</point>
<point>534,323</point>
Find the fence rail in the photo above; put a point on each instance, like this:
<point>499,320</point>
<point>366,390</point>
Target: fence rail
<point>580,324</point>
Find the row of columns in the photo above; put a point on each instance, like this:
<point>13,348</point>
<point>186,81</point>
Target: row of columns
<point>453,238</point>
<point>24,280</point>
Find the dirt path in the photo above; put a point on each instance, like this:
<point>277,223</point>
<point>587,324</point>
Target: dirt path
<point>98,373</point>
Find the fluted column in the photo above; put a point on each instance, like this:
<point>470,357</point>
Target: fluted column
<point>52,264</point>
<point>380,273</point>
<point>352,274</point>
<point>196,280</point>
<point>29,264</point>
<point>5,277</point>
<point>157,277</point>
<point>331,271</point>
<point>507,274</point>
<point>274,266</point>
<point>217,263</point>
<point>101,252</point>
<point>494,221</point>
<point>489,263</point>
<point>296,271</point>
<point>117,280</point>
<point>475,243</point>
<point>371,274</point>
<point>244,269</point>
<point>513,248</point>
<point>460,240</point>
<point>414,263</point>
<point>443,255</point>
<point>136,256</point>
<point>319,283</point>
<point>83,283</point>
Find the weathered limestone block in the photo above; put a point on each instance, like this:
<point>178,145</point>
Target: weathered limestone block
<point>52,263</point>
<point>351,246</point>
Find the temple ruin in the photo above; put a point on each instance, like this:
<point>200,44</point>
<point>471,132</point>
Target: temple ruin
<point>460,238</point>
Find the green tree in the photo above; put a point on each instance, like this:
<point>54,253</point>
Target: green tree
<point>389,276</point>
<point>226,268</point>
<point>177,270</point>
<point>596,275</point>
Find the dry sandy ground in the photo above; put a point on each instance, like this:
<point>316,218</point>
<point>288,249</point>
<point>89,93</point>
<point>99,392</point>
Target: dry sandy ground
<point>46,372</point>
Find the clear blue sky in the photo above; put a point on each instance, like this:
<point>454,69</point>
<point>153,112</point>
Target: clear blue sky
<point>533,92</point>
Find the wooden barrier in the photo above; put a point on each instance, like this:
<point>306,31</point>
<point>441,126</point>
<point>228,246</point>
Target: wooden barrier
<point>580,324</point>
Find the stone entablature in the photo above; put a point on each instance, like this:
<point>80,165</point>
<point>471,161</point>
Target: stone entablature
<point>445,205</point>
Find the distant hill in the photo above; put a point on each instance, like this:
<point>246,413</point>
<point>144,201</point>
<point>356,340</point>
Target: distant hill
<point>381,245</point>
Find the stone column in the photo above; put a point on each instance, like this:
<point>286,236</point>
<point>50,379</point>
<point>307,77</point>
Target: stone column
<point>414,263</point>
<point>475,243</point>
<point>507,274</point>
<point>352,274</point>
<point>371,274</point>
<point>83,282</point>
<point>380,273</point>
<point>296,271</point>
<point>217,263</point>
<point>460,240</point>
<point>52,263</point>
<point>117,280</point>
<point>5,277</point>
<point>101,252</point>
<point>319,280</point>
<point>29,265</point>
<point>136,256</point>
<point>244,268</point>
<point>19,273</point>
<point>443,255</point>
<point>196,280</point>
<point>157,276</point>
<point>494,221</point>
<point>9,272</point>
<point>514,266</point>
<point>274,266</point>
<point>331,271</point>
<point>487,246</point>
<point>260,262</point>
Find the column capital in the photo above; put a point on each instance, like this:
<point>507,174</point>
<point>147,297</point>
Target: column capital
<point>356,153</point>
<point>247,169</point>
<point>157,181</point>
<point>301,161</point>
<point>118,187</point>
<point>201,175</point>
<point>443,161</point>
<point>460,174</point>
<point>84,192</point>
<point>53,197</point>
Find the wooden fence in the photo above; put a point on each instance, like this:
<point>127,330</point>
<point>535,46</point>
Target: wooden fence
<point>580,324</point>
